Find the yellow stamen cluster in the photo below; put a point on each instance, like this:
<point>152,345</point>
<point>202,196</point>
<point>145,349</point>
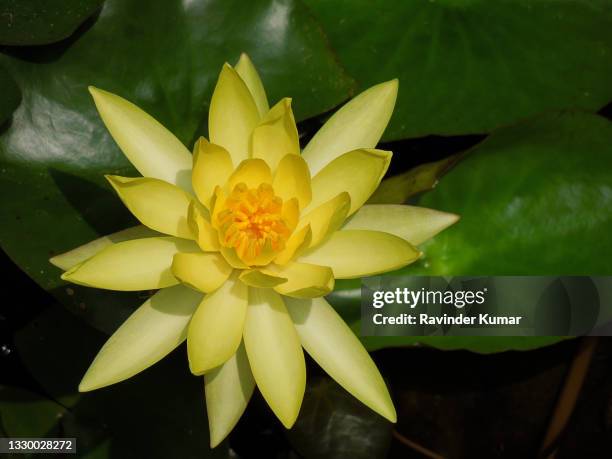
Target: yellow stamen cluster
<point>252,221</point>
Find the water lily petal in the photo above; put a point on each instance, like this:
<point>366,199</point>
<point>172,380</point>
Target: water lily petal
<point>327,218</point>
<point>205,272</point>
<point>139,264</point>
<point>152,149</point>
<point>217,204</point>
<point>333,345</point>
<point>291,212</point>
<point>149,334</point>
<point>266,255</point>
<point>292,180</point>
<point>215,331</point>
<point>296,244</point>
<point>277,135</point>
<point>232,257</point>
<point>358,172</point>
<point>157,204</point>
<point>233,115</point>
<point>69,259</point>
<point>358,253</point>
<point>212,166</point>
<point>199,221</point>
<point>275,354</point>
<point>303,280</point>
<point>360,123</point>
<point>251,172</point>
<point>257,278</point>
<point>250,76</point>
<point>228,391</point>
<point>413,224</point>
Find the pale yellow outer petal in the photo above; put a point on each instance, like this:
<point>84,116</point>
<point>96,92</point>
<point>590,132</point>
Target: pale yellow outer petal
<point>233,115</point>
<point>228,390</point>
<point>205,235</point>
<point>250,76</point>
<point>275,354</point>
<point>360,123</point>
<point>139,264</point>
<point>292,180</point>
<point>327,218</point>
<point>251,172</point>
<point>152,149</point>
<point>79,254</point>
<point>358,172</point>
<point>203,271</point>
<point>215,331</point>
<point>157,204</point>
<point>212,166</point>
<point>148,335</point>
<point>277,135</point>
<point>296,244</point>
<point>358,253</point>
<point>413,224</point>
<point>303,280</point>
<point>333,345</point>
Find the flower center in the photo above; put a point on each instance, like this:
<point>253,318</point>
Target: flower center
<point>252,222</point>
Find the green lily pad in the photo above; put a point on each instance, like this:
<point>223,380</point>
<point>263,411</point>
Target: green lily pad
<point>333,424</point>
<point>468,66</point>
<point>39,22</point>
<point>26,414</point>
<point>534,199</point>
<point>166,58</point>
<point>10,96</point>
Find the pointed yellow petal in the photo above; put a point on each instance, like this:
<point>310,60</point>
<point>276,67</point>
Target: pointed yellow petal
<point>69,259</point>
<point>266,255</point>
<point>296,244</point>
<point>157,204</point>
<point>275,354</point>
<point>251,172</point>
<point>148,335</point>
<point>337,350</point>
<point>139,264</point>
<point>358,172</point>
<point>303,280</point>
<point>327,218</point>
<point>257,278</point>
<point>152,149</point>
<point>212,166</point>
<point>215,331</point>
<point>217,203</point>
<point>232,257</point>
<point>205,235</point>
<point>291,212</point>
<point>292,180</point>
<point>249,75</point>
<point>277,135</point>
<point>233,115</point>
<point>228,390</point>
<point>203,271</point>
<point>360,123</point>
<point>358,253</point>
<point>413,224</point>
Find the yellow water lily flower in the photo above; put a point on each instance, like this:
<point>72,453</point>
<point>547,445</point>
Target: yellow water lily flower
<point>243,239</point>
